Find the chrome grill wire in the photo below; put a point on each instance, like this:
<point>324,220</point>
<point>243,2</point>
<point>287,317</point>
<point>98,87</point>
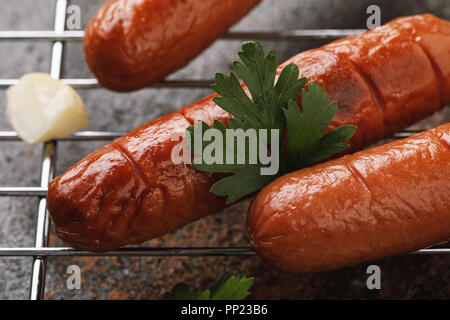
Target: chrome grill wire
<point>37,285</point>
<point>41,250</point>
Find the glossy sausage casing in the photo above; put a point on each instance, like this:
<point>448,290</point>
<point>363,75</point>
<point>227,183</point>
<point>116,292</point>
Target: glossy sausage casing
<point>375,203</point>
<point>130,191</point>
<point>130,44</point>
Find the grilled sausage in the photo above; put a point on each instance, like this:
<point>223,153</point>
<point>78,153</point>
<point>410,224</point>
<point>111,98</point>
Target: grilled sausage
<point>130,191</point>
<point>391,199</point>
<point>130,44</point>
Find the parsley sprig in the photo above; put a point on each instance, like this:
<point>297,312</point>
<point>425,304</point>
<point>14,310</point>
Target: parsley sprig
<point>234,288</point>
<point>271,106</point>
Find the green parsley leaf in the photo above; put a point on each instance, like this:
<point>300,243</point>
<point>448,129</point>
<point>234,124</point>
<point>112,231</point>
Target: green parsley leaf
<point>234,288</point>
<point>264,109</point>
<point>243,182</point>
<point>234,100</point>
<point>271,105</point>
<point>306,143</point>
<point>181,291</point>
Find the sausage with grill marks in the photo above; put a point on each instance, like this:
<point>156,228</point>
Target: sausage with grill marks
<point>130,191</point>
<point>130,44</point>
<point>379,202</point>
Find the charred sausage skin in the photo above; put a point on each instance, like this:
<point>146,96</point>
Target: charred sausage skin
<point>130,191</point>
<point>379,202</point>
<point>130,44</point>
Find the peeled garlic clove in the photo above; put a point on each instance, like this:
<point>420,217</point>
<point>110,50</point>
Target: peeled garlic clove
<point>40,108</point>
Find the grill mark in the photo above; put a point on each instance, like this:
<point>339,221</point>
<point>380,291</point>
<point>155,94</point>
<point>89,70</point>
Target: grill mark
<point>440,139</point>
<point>139,200</point>
<point>145,192</point>
<point>102,227</point>
<point>272,237</point>
<point>258,223</point>
<point>137,208</point>
<point>193,194</point>
<point>358,176</point>
<point>264,222</point>
<point>444,142</point>
<point>130,160</point>
<point>259,246</point>
<point>437,72</point>
<point>374,92</point>
<point>165,217</point>
<point>182,113</point>
<point>413,212</point>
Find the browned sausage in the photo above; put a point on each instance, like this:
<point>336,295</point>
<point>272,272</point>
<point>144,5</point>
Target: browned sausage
<point>375,203</point>
<point>130,191</point>
<point>130,44</point>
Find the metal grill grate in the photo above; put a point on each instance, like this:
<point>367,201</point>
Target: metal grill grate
<point>41,251</point>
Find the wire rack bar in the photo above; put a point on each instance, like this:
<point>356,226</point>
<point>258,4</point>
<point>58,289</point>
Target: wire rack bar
<point>325,34</point>
<point>88,83</point>
<point>41,35</point>
<point>138,251</point>
<point>93,83</point>
<point>90,136</point>
<point>37,286</point>
<point>77,136</point>
<point>110,135</point>
<point>50,35</point>
<point>23,191</point>
<point>156,252</point>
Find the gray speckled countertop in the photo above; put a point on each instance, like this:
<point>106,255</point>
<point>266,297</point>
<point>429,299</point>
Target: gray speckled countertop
<point>148,278</point>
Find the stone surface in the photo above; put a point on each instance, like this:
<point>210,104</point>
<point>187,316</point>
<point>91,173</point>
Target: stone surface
<point>148,278</point>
